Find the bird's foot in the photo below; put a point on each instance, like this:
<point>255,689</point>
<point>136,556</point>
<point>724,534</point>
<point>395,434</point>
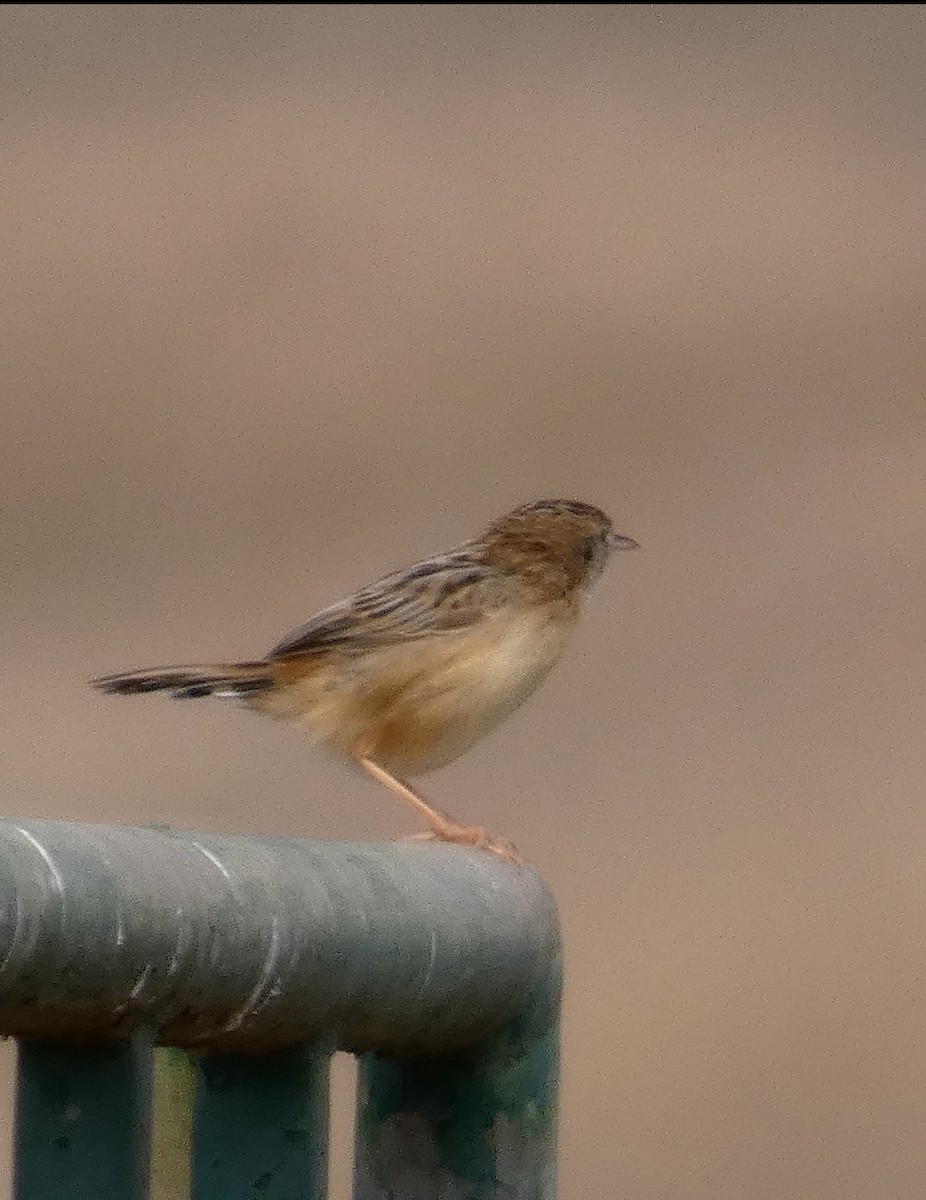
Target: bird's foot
<point>475,836</point>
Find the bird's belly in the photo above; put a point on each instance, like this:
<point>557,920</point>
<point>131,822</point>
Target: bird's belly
<point>417,707</point>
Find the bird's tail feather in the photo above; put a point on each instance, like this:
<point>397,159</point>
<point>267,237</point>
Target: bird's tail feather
<point>190,683</point>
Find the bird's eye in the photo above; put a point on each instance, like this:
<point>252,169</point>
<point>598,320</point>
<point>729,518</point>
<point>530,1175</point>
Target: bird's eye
<point>589,549</point>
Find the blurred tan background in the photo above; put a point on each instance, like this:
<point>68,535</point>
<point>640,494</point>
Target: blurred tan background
<point>296,294</point>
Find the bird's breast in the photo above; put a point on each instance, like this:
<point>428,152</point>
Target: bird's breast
<point>459,691</point>
<point>417,706</point>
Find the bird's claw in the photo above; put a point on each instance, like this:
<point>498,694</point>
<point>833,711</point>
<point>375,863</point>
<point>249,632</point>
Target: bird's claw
<point>475,836</point>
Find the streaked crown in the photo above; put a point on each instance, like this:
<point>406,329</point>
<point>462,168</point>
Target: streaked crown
<point>567,541</point>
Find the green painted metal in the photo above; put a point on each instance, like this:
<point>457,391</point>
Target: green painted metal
<point>480,1125</point>
<point>239,943</point>
<point>261,1126</point>
<point>258,958</point>
<point>82,1119</point>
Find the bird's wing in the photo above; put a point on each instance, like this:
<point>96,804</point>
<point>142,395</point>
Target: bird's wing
<point>435,596</point>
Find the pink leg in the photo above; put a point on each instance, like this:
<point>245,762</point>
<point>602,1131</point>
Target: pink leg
<point>443,827</point>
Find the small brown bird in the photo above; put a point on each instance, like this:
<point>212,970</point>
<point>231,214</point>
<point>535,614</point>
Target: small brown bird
<point>408,673</point>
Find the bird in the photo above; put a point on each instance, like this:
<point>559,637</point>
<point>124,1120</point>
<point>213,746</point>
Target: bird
<point>408,673</point>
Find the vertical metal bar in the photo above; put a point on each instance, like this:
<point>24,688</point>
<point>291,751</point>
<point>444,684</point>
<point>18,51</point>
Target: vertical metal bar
<point>82,1121</point>
<point>480,1126</point>
<point>260,1126</point>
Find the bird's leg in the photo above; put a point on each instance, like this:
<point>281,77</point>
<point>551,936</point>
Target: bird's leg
<point>444,828</point>
<point>441,823</point>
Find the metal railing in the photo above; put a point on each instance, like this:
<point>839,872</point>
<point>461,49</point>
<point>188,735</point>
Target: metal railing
<point>257,958</point>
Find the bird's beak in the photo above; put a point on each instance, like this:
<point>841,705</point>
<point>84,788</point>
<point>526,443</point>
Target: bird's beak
<point>620,542</point>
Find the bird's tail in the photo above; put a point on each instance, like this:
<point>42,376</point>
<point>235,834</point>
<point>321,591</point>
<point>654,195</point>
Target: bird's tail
<point>190,683</point>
